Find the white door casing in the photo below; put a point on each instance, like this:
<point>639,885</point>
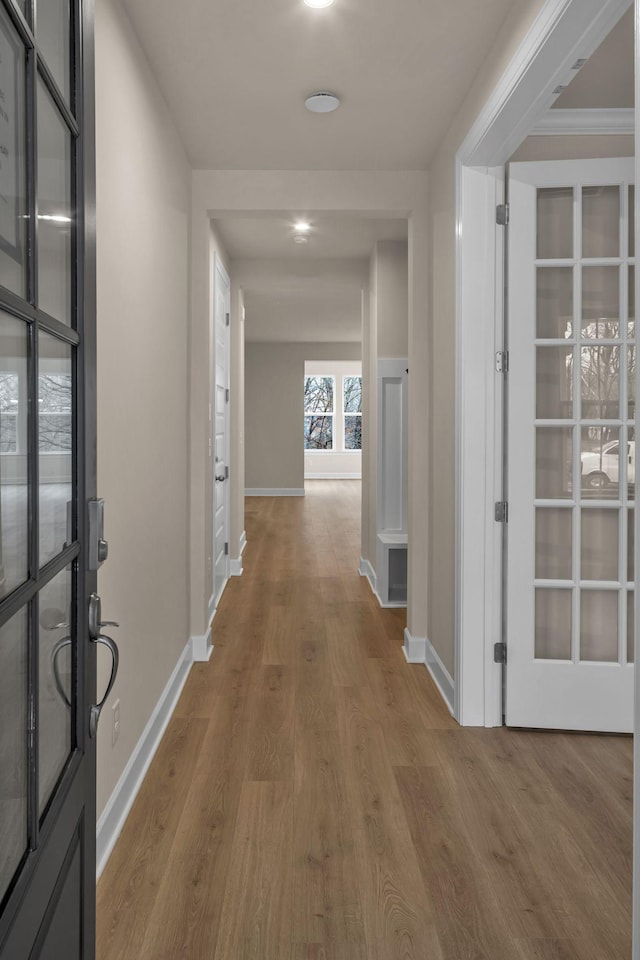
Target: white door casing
<point>571,370</point>
<point>220,431</point>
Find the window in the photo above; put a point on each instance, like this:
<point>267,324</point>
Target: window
<point>54,412</point>
<point>352,406</point>
<point>9,405</point>
<point>318,413</point>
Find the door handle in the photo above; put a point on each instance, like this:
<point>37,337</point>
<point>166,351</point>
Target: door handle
<point>58,648</point>
<point>96,709</point>
<point>220,479</point>
<point>96,623</point>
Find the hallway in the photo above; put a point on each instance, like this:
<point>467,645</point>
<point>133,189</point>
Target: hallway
<point>312,798</point>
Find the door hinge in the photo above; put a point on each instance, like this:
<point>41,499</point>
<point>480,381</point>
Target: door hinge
<point>499,653</point>
<point>227,394</point>
<point>226,473</point>
<point>501,511</point>
<point>502,361</point>
<point>227,319</point>
<point>226,549</point>
<point>502,214</point>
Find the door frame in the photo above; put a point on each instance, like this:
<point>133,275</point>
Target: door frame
<point>563,31</point>
<point>219,271</point>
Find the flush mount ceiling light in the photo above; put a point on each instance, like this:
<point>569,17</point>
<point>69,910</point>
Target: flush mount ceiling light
<point>318,3</point>
<point>301,226</point>
<point>322,102</point>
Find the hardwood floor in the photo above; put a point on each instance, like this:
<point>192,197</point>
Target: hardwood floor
<point>313,800</point>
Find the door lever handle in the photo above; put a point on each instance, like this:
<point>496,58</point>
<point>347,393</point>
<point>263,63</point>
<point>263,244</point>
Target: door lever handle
<point>96,709</point>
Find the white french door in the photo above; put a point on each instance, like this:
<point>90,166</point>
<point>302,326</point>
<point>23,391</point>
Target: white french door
<point>571,445</point>
<point>220,433</point>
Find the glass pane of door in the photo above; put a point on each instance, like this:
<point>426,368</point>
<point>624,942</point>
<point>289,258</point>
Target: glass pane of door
<point>13,202</point>
<point>13,727</point>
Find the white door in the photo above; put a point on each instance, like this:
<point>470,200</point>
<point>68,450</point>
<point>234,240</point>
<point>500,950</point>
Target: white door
<point>571,445</point>
<point>220,430</point>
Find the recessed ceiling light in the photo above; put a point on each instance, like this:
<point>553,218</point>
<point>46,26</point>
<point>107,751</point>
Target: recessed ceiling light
<point>322,102</point>
<point>301,226</point>
<point>318,3</point>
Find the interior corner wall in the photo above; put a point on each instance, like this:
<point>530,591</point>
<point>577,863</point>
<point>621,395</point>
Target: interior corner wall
<point>442,376</point>
<point>274,424</point>
<point>143,198</point>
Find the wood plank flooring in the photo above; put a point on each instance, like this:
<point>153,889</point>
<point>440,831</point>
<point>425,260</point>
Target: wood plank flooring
<point>313,800</point>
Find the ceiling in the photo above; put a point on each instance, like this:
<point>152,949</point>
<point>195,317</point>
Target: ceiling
<point>235,74</point>
<point>329,237</point>
<point>607,78</point>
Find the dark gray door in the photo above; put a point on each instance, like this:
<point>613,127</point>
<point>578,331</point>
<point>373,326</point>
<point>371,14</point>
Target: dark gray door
<point>47,478</point>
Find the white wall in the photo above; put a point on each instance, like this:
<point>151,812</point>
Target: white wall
<point>442,364</point>
<point>143,186</point>
<point>274,425</point>
<point>386,335</point>
<point>337,463</point>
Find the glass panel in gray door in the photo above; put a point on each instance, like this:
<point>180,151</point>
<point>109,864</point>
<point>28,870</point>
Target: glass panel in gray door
<point>55,682</point>
<point>55,437</point>
<point>600,376</point>
<point>554,463</point>
<point>13,746</point>
<point>14,457</point>
<point>599,544</point>
<point>553,624</point>
<point>554,383</point>
<point>12,160</point>
<point>53,33</point>
<point>54,210</point>
<point>554,539</point>
<point>600,302</point>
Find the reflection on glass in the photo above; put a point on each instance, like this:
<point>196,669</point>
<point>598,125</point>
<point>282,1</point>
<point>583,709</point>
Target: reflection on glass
<point>599,625</point>
<point>601,222</point>
<point>553,543</point>
<point>14,458</point>
<point>599,544</point>
<point>53,31</point>
<point>555,223</point>
<point>55,664</point>
<point>600,382</point>
<point>14,725</point>
<point>54,210</point>
<point>631,625</point>
<point>554,383</point>
<point>631,539</point>
<point>631,380</point>
<point>554,302</point>
<point>353,433</point>
<point>553,624</point>
<point>554,463</point>
<point>631,464</point>
<point>632,221</point>
<point>600,303</point>
<point>12,160</point>
<point>55,436</point>
<point>600,462</point>
<point>632,301</point>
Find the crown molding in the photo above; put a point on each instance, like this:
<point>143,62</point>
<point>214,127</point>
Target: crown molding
<point>589,122</point>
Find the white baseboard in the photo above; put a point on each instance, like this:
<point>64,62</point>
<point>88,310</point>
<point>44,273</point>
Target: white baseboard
<point>420,650</point>
<point>274,492</point>
<point>333,476</point>
<point>366,570</point>
<point>235,566</point>
<point>415,648</point>
<point>115,813</point>
<point>201,647</point>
